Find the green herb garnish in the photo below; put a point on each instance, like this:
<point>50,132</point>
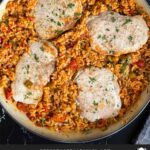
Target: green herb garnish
<point>111,52</point>
<point>36,58</point>
<point>95,103</point>
<point>28,95</point>
<point>43,122</point>
<point>52,20</point>
<point>58,23</point>
<point>127,21</point>
<point>71,5</point>
<point>58,32</point>
<point>117,30</point>
<point>77,14</point>
<point>113,19</point>
<point>42,49</point>
<point>130,38</point>
<point>27,68</point>
<point>92,80</point>
<point>99,37</point>
<point>104,37</point>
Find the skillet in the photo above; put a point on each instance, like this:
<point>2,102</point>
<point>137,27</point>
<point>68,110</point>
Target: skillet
<point>73,137</point>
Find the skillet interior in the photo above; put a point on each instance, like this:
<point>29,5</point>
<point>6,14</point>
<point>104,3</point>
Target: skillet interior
<point>71,136</point>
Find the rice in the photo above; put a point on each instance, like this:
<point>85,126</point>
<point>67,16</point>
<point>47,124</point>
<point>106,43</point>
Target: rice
<point>58,109</point>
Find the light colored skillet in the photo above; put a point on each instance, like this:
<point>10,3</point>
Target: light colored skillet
<point>72,137</point>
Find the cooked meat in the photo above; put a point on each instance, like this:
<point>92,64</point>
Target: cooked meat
<point>3,8</point>
<point>115,34</point>
<point>53,17</point>
<point>98,93</point>
<point>33,72</point>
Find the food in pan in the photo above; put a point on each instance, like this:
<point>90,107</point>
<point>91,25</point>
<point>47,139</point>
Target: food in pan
<point>33,71</point>
<point>60,80</point>
<point>114,33</point>
<point>53,17</point>
<point>98,93</point>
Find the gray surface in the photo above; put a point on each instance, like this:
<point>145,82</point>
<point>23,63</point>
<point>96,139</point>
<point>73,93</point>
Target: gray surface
<point>144,136</point>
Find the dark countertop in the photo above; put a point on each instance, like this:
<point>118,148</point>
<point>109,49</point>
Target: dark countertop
<point>12,133</point>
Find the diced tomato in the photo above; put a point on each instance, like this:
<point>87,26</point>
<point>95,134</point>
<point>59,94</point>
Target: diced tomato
<point>22,107</point>
<point>102,123</point>
<point>1,40</point>
<point>140,63</point>
<point>20,25</point>
<point>8,93</point>
<point>74,64</point>
<point>30,18</point>
<point>7,46</point>
<point>131,12</point>
<point>59,118</point>
<point>112,1</point>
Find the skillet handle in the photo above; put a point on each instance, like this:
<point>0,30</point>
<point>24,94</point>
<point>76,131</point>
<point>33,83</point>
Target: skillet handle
<point>148,1</point>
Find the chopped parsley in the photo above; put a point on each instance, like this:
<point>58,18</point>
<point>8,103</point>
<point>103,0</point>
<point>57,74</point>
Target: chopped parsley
<point>107,101</point>
<point>117,30</point>
<point>111,52</point>
<point>58,32</point>
<point>52,20</point>
<point>36,58</point>
<point>54,13</point>
<point>112,13</point>
<point>113,77</point>
<point>36,99</point>
<point>127,21</point>
<point>130,38</point>
<point>71,5</point>
<point>92,80</point>
<point>106,89</point>
<point>104,37</point>
<point>99,37</point>
<point>113,114</point>
<point>27,69</point>
<point>58,23</point>
<point>27,95</point>
<point>43,122</point>
<point>113,19</point>
<point>95,103</point>
<point>63,12</point>
<point>42,49</point>
<point>77,14</point>
<point>82,43</point>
